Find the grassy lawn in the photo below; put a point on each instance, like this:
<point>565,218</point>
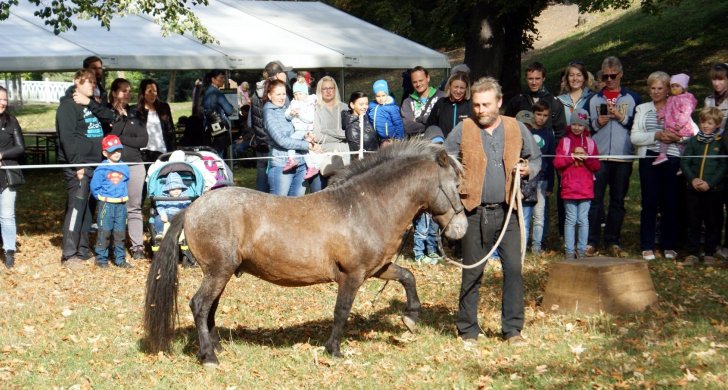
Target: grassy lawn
<point>687,38</point>
<point>64,329</point>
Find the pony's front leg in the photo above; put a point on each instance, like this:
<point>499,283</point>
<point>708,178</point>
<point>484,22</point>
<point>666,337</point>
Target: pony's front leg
<point>392,271</point>
<point>344,299</point>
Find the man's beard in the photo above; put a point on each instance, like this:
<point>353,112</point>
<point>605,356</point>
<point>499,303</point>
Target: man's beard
<point>486,121</point>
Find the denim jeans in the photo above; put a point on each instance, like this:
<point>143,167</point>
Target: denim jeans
<point>577,213</point>
<point>527,215</point>
<point>111,220</point>
<point>7,218</point>
<point>261,175</point>
<point>540,216</point>
<point>616,175</point>
<point>286,183</point>
<point>425,238</point>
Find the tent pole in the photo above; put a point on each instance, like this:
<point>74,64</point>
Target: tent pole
<point>343,85</point>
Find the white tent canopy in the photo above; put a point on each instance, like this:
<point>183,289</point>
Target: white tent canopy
<point>250,34</point>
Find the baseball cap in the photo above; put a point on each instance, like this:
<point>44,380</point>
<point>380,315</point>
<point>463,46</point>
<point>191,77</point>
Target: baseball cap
<point>111,143</point>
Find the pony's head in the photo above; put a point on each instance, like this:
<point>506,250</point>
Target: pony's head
<point>445,206</point>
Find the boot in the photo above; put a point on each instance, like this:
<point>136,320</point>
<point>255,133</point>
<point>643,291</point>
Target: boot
<point>9,258</point>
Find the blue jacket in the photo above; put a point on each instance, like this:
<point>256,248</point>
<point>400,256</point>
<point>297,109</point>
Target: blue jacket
<point>613,139</point>
<point>215,100</point>
<point>279,132</point>
<point>385,119</point>
<point>110,182</point>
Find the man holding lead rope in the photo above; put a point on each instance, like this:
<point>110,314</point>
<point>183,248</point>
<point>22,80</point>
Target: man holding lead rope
<point>490,147</point>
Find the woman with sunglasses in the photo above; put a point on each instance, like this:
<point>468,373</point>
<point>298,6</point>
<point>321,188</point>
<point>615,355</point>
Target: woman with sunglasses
<point>328,129</point>
<point>575,90</point>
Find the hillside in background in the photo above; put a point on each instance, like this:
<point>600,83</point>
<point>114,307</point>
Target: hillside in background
<point>686,38</point>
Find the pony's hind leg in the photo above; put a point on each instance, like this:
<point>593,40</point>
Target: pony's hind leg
<point>344,300</point>
<point>392,271</point>
<point>203,306</point>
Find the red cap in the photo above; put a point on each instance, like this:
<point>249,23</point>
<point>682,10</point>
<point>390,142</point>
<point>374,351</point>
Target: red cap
<point>111,143</point>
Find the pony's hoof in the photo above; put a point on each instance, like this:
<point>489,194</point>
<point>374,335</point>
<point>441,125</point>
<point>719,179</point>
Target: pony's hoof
<point>333,351</point>
<point>210,366</point>
<point>410,323</point>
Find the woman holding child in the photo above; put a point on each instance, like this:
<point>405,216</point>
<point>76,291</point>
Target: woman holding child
<point>659,184</point>
<point>328,128</point>
<point>133,136</point>
<point>280,131</point>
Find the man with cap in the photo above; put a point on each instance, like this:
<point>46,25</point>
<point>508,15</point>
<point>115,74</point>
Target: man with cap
<point>273,70</point>
<point>491,147</point>
<point>109,186</point>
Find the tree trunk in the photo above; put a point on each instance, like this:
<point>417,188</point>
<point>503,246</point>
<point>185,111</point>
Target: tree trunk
<point>484,43</point>
<point>170,89</point>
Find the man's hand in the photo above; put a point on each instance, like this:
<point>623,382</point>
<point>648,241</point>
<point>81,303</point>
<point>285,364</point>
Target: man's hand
<point>667,137</point>
<point>524,169</point>
<point>700,185</point>
<point>614,113</point>
<point>80,173</point>
<point>164,218</point>
<point>81,99</point>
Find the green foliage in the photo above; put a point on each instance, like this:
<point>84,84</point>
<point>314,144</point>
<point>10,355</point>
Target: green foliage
<point>173,16</point>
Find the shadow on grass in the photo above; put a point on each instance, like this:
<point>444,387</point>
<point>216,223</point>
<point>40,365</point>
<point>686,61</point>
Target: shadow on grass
<point>316,332</point>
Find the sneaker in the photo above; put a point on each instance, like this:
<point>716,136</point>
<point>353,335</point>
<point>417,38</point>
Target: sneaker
<point>617,251</point>
<point>659,160</point>
<point>722,253</point>
<point>670,254</point>
<point>569,255</point>
<point>123,264</point>
<point>102,264</point>
<point>537,251</point>
<point>581,255</point>
<point>709,260</point>
<point>73,263</point>
<point>648,255</point>
<point>431,259</point>
<point>690,261</point>
<point>419,259</point>
<point>290,164</point>
<point>137,253</point>
<point>310,172</point>
<point>517,341</point>
<point>591,251</point>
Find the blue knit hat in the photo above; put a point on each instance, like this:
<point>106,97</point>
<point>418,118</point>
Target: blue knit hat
<point>300,87</point>
<point>174,181</point>
<point>381,86</point>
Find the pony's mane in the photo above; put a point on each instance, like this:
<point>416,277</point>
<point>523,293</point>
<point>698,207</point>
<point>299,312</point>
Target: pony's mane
<point>395,153</point>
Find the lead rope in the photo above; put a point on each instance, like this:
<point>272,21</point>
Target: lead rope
<point>515,200</point>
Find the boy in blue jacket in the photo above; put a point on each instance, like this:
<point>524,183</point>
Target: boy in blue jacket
<point>384,114</point>
<point>110,186</point>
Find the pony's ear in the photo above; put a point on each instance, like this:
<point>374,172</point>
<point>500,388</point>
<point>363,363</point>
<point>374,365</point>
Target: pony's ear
<point>442,158</point>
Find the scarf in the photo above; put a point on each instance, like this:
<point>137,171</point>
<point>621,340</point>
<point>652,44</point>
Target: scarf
<point>705,138</point>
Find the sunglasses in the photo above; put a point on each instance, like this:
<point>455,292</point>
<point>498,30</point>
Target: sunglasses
<point>612,76</point>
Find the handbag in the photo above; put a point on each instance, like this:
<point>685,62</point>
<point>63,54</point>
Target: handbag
<point>215,124</point>
<point>13,177</point>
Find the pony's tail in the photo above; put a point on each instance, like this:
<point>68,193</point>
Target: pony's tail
<point>160,305</point>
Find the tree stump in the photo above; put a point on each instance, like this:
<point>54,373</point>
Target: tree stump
<point>599,284</point>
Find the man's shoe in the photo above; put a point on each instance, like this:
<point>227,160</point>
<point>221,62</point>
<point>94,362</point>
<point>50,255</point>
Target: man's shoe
<point>517,341</point>
<point>73,263</point>
<point>690,261</point>
<point>137,253</point>
<point>102,265</point>
<point>670,254</point>
<point>709,260</point>
<point>617,251</point>
<point>591,251</point>
<point>648,255</point>
<point>123,264</point>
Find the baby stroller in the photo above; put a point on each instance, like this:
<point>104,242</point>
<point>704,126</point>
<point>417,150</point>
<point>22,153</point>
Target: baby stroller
<point>200,169</point>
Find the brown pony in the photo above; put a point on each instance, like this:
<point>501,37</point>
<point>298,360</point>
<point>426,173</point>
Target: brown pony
<point>344,234</point>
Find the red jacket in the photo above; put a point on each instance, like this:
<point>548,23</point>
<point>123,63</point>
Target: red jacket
<point>577,180</point>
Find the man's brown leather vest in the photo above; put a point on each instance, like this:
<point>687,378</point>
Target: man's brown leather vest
<point>474,161</point>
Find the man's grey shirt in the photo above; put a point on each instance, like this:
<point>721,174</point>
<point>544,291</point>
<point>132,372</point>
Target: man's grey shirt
<point>493,145</point>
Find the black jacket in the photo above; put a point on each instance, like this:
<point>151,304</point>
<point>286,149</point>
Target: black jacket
<point>350,123</point>
<point>133,135</point>
<point>260,135</point>
<point>446,114</point>
<point>12,146</point>
<point>79,132</point>
<point>524,101</point>
<point>165,117</point>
